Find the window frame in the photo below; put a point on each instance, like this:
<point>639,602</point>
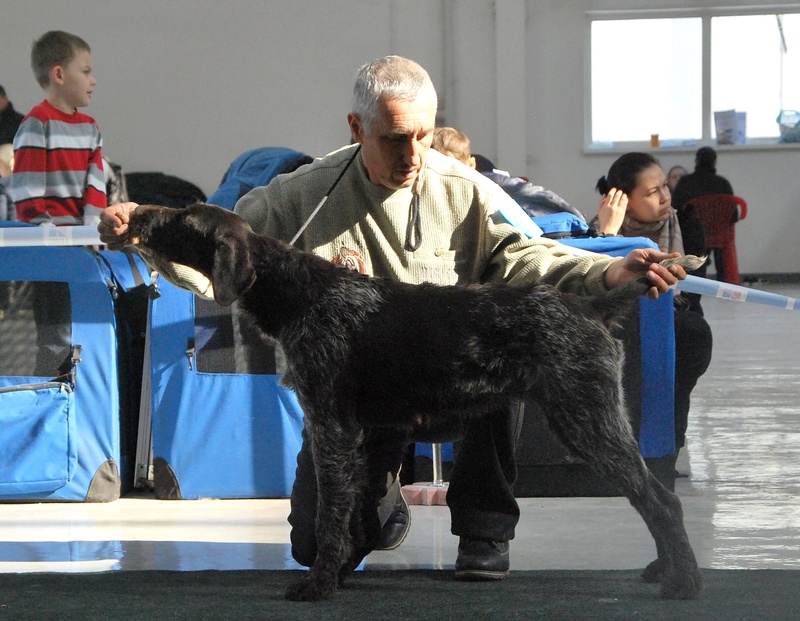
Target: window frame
<point>705,14</point>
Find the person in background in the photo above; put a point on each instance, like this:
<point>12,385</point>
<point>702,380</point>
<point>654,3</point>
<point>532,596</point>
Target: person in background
<point>453,142</point>
<point>58,173</point>
<point>9,118</point>
<point>58,165</point>
<point>534,199</point>
<point>6,169</point>
<point>636,202</point>
<point>704,181</point>
<point>674,175</point>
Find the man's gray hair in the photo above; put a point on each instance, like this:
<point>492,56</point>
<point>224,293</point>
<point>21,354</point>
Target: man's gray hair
<point>390,77</point>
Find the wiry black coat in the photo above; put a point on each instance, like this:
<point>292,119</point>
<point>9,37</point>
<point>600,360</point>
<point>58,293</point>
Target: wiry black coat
<point>416,354</point>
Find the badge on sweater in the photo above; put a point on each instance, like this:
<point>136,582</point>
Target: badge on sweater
<point>351,259</point>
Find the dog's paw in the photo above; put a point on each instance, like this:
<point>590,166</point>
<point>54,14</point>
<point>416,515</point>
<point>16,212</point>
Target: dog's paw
<point>655,571</point>
<point>682,585</point>
<point>308,590</point>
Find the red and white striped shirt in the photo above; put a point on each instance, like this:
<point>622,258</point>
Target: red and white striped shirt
<point>58,168</point>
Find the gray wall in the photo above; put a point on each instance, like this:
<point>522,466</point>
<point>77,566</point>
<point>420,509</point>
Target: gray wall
<point>187,85</point>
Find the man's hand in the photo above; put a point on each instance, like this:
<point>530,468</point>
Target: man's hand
<point>113,227</point>
<point>644,262</point>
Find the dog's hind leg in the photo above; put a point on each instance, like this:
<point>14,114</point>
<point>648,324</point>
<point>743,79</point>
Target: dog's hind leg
<point>335,447</point>
<point>676,567</point>
<point>594,426</point>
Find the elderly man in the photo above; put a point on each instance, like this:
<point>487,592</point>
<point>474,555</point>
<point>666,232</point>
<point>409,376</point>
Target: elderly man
<point>398,209</point>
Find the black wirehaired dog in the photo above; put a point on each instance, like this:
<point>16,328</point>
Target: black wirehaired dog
<point>417,353</point>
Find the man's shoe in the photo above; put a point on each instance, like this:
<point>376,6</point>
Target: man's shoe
<point>396,528</point>
<point>482,559</point>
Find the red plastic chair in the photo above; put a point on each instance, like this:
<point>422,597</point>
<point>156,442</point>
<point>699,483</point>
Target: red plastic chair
<point>719,213</point>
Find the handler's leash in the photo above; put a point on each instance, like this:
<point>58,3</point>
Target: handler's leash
<point>324,198</point>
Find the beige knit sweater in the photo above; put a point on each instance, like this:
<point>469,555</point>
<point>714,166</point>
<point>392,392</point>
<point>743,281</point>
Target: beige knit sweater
<point>464,238</point>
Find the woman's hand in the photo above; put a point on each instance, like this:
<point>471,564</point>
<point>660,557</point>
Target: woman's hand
<point>611,212</point>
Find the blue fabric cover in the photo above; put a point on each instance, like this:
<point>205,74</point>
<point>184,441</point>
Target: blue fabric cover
<point>38,434</point>
<point>657,322</point>
<point>563,222</point>
<point>223,435</point>
<point>252,169</point>
<point>55,442</point>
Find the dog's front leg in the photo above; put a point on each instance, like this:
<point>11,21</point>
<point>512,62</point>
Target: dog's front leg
<point>337,465</point>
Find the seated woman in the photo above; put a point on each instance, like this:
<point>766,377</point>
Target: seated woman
<point>637,203</point>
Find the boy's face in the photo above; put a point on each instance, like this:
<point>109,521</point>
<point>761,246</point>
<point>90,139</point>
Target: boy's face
<point>75,80</point>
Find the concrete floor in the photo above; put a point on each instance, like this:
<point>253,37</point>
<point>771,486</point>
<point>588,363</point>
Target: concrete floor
<point>741,500</point>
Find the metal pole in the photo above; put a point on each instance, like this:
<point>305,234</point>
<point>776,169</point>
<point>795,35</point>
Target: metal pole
<point>438,478</point>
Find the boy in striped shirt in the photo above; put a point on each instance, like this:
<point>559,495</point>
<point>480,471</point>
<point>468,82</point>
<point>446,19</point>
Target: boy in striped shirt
<point>58,167</point>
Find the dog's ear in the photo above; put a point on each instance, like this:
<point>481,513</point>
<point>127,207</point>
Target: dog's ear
<point>233,272</point>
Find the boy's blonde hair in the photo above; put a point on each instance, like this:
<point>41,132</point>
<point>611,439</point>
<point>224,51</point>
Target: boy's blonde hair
<point>52,49</point>
<point>452,142</point>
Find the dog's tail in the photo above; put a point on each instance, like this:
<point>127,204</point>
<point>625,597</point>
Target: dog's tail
<point>615,305</point>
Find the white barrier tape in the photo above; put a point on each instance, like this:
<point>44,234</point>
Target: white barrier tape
<point>49,236</point>
<point>726,291</point>
<point>723,290</point>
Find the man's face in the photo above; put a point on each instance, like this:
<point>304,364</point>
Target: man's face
<point>395,149</point>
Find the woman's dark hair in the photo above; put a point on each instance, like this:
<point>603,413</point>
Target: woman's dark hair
<point>624,173</point>
<point>705,160</point>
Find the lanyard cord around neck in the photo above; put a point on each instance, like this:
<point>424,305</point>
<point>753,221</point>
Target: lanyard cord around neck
<point>414,229</point>
<point>325,198</point>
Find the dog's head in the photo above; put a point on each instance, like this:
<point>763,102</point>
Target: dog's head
<point>205,238</point>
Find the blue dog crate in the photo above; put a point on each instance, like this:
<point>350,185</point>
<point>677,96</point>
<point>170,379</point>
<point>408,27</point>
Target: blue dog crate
<point>66,418</point>
<point>222,425</point>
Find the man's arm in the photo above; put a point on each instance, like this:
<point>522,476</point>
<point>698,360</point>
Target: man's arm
<point>516,258</point>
